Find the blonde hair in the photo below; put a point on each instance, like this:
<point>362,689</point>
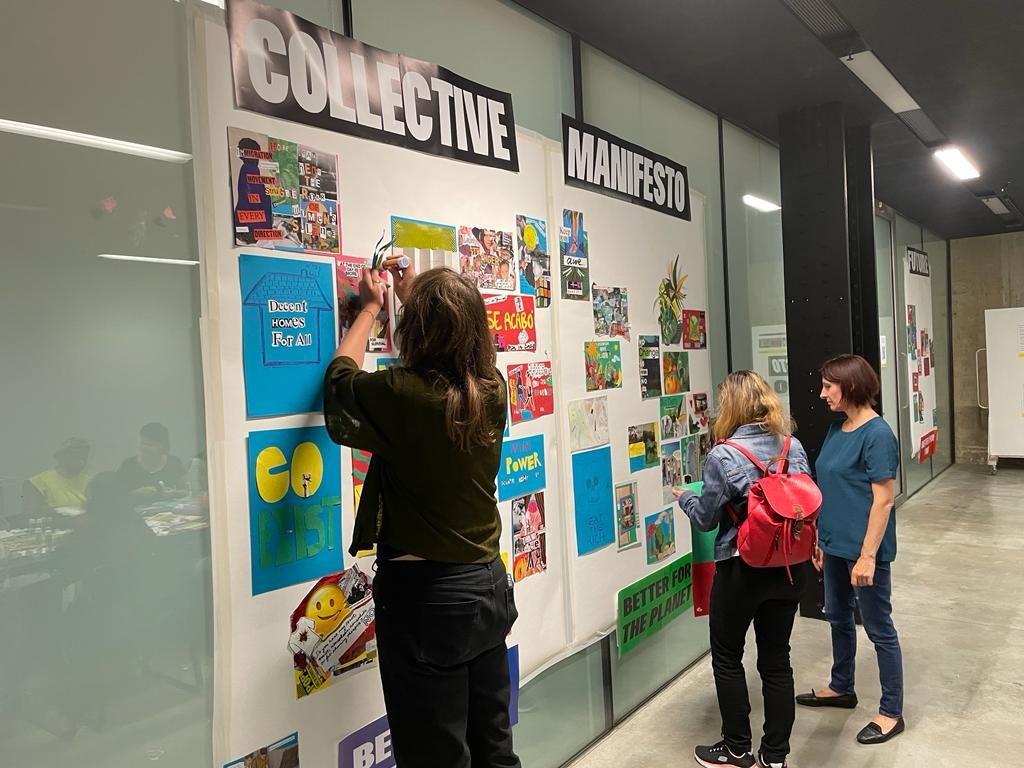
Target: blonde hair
<point>744,397</point>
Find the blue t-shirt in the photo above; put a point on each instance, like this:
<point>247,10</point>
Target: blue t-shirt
<point>849,462</point>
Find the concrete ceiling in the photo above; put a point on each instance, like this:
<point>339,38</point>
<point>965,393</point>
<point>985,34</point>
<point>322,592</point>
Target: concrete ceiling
<point>751,60</point>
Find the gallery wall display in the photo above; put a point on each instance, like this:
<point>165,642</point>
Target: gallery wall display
<point>919,353</point>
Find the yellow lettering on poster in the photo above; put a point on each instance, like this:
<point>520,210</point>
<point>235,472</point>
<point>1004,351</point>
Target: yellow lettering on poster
<point>272,486</point>
<point>307,470</point>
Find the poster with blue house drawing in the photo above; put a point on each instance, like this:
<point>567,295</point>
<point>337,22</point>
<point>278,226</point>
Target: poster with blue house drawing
<point>288,333</point>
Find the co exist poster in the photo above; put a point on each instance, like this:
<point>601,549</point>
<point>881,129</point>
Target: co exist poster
<point>294,507</point>
<point>288,333</point>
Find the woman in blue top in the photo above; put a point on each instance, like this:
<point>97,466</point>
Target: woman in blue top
<point>750,414</point>
<point>856,471</point>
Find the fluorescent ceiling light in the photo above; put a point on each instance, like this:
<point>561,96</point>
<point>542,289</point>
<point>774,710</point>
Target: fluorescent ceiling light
<point>96,142</point>
<point>955,161</point>
<point>759,204</point>
<point>876,77</point>
<point>996,205</point>
<point>147,259</point>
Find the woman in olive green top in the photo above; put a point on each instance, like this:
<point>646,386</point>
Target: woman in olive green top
<point>444,603</point>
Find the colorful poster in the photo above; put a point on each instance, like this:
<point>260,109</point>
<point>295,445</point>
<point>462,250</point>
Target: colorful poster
<point>697,405</point>
<point>529,548</point>
<point>661,535</point>
<point>695,329</point>
<point>531,391</point>
<point>512,322</point>
<point>534,261</point>
<point>588,423</point>
<point>627,516</point>
<point>594,503</point>
<point>288,335</point>
<point>650,367</point>
<point>485,255</point>
<point>426,244</point>
<point>333,630</point>
<point>360,466</point>
<point>280,754</point>
<point>574,254</point>
<point>675,372</point>
<point>294,507</point>
<point>643,446</point>
<point>648,605</point>
<point>671,293</point>
<point>920,377</point>
<point>285,196</point>
<point>603,364</point>
<point>348,273</point>
<point>522,467</point>
<point>611,311</point>
<point>673,417</point>
<point>671,470</point>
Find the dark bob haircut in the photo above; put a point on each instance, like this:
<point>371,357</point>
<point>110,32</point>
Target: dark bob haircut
<point>855,377</point>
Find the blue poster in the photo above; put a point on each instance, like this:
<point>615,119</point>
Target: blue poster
<point>287,333</point>
<point>294,507</point>
<point>522,467</point>
<point>594,502</point>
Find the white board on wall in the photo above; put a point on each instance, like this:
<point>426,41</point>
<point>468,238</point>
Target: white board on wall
<point>632,247</point>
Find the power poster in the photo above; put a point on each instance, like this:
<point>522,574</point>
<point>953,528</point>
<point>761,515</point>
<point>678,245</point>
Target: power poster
<point>285,194</point>
<point>593,505</point>
<point>485,256</point>
<point>529,536</point>
<point>287,67</point>
<point>534,261</point>
<point>603,364</point>
<point>531,392</point>
<point>333,630</point>
<point>648,605</point>
<point>288,333</point>
<point>602,162</point>
<point>512,322</point>
<point>574,254</point>
<point>280,754</point>
<point>521,470</point>
<point>294,507</point>
<point>650,367</point>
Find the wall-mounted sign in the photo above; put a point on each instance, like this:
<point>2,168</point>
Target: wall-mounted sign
<point>288,67</point>
<point>601,162</point>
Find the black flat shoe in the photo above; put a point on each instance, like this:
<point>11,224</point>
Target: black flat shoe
<point>872,733</point>
<point>842,701</point>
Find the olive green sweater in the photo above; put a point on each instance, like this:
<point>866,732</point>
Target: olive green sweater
<point>422,495</point>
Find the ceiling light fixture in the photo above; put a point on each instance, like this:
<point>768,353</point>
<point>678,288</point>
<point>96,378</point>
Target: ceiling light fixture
<point>996,205</point>
<point>96,142</point>
<point>958,165</point>
<point>761,205</point>
<point>873,73</point>
<point>147,259</point>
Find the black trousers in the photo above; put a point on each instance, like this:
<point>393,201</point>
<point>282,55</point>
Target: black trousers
<point>443,662</point>
<point>741,595</point>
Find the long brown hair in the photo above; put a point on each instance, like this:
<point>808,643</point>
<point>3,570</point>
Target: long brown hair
<point>744,397</point>
<point>443,334</point>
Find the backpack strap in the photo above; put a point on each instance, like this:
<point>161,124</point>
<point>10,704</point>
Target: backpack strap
<point>751,457</point>
<point>783,459</point>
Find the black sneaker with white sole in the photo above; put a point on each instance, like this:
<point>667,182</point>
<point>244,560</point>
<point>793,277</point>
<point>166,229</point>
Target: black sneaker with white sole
<point>763,762</point>
<point>720,754</point>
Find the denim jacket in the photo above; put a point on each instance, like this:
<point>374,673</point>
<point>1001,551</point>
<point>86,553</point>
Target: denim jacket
<point>728,475</point>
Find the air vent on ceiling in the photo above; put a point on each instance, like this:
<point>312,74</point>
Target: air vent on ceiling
<point>828,25</point>
<point>917,121</point>
<point>1003,206</point>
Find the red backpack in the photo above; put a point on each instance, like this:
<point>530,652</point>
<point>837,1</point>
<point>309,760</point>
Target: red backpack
<point>782,513</point>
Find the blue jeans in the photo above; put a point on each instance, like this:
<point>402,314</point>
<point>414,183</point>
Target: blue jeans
<point>876,610</point>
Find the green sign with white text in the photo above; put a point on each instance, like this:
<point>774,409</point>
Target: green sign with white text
<point>646,606</point>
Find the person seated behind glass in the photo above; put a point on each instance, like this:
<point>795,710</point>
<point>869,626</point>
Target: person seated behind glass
<point>153,473</point>
<point>61,489</point>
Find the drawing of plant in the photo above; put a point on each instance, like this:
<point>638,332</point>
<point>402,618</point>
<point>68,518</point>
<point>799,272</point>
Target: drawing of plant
<point>670,304</point>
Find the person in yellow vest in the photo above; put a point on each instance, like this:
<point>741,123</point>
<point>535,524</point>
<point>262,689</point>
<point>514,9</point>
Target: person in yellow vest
<point>60,490</point>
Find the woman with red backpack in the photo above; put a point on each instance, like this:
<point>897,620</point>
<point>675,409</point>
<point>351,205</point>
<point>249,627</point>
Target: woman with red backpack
<point>759,496</point>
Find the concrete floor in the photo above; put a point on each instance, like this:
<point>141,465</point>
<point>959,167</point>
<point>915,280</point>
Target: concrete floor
<point>959,608</point>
